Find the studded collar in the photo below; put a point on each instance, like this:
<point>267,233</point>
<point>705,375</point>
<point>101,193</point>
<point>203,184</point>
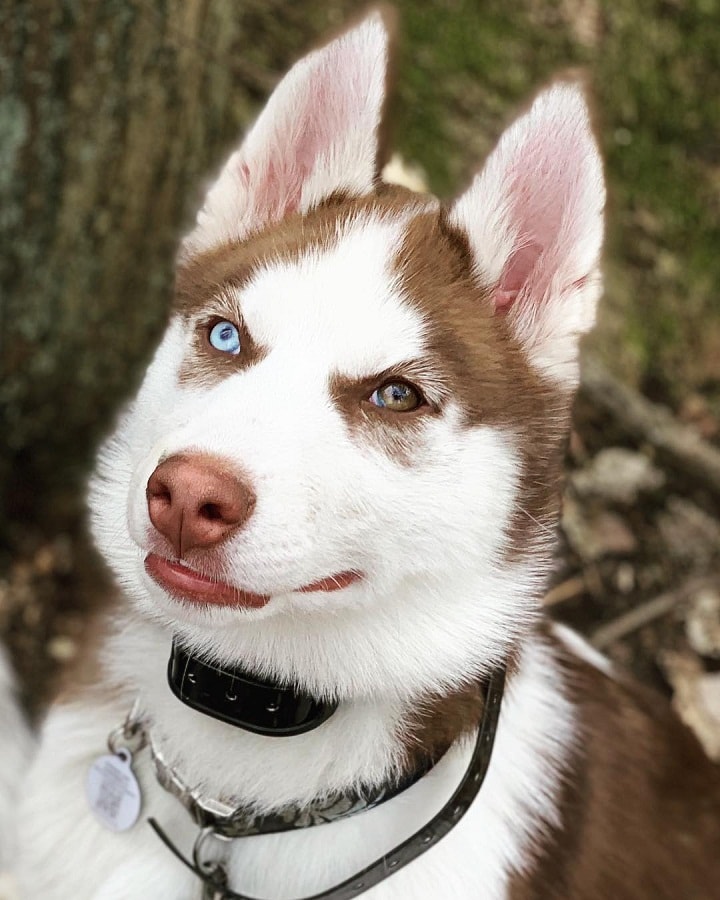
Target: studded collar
<point>226,823</point>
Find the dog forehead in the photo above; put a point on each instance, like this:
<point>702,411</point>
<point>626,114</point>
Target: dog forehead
<point>340,302</point>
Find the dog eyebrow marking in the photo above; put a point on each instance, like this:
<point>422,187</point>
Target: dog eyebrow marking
<point>233,265</point>
<point>217,280</point>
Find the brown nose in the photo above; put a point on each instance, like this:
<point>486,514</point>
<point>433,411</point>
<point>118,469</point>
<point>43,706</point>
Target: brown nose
<point>196,500</point>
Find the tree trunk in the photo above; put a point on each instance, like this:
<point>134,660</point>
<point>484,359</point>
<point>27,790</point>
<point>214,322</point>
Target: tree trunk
<point>111,114</point>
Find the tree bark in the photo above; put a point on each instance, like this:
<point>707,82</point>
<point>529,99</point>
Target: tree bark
<point>111,114</point>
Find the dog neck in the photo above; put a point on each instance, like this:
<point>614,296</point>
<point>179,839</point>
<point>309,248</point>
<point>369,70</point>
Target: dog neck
<point>365,743</point>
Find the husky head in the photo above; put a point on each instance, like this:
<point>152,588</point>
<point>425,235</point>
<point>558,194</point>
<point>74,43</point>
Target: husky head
<point>342,466</point>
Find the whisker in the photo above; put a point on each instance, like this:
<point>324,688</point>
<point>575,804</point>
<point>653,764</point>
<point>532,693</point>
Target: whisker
<point>546,528</point>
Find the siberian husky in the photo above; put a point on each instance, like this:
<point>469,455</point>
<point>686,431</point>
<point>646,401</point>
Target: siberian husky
<point>330,513</point>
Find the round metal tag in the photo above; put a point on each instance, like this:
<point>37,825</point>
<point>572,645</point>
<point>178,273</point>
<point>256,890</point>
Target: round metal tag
<point>113,792</point>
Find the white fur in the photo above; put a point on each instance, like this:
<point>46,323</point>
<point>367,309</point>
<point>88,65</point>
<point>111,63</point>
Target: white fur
<point>64,852</point>
<point>494,840</point>
<point>16,749</point>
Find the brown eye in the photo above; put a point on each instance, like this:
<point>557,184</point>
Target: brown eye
<point>397,396</point>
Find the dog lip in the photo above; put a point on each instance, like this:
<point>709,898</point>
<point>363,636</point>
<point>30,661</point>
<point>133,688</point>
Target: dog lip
<point>184,583</point>
<point>333,583</point>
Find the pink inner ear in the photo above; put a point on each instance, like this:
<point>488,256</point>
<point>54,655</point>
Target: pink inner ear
<point>515,274</point>
<point>542,199</point>
<point>324,110</point>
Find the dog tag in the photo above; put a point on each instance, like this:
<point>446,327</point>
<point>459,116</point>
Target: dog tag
<point>113,792</point>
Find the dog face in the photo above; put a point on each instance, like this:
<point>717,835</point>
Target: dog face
<point>342,465</point>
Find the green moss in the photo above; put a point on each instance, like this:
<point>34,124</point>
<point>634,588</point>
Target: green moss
<point>654,71</point>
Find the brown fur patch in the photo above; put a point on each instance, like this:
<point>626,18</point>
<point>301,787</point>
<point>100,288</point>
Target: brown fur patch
<point>641,806</point>
<point>485,370</point>
<point>442,719</point>
<point>206,275</point>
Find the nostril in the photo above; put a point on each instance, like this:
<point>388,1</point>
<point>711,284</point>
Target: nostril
<point>158,490</point>
<point>211,511</point>
<point>163,498</point>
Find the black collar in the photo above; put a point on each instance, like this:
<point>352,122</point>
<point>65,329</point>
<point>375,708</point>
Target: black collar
<point>213,874</point>
<point>263,707</point>
<point>238,698</point>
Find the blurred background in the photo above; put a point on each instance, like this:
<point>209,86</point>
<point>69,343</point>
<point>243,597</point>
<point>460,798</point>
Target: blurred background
<point>113,113</point>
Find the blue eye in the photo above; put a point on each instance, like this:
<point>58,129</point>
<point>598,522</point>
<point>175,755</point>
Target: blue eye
<point>225,337</point>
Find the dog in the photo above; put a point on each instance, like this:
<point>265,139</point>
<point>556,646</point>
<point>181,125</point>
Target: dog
<point>330,513</point>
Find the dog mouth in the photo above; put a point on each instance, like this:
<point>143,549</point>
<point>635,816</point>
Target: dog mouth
<point>186,584</point>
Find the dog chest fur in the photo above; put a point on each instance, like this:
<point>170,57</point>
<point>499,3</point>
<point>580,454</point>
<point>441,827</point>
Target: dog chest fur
<point>494,840</point>
<point>545,825</point>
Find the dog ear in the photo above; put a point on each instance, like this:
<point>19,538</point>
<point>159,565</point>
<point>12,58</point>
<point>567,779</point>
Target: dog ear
<point>534,221</point>
<point>318,134</point>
